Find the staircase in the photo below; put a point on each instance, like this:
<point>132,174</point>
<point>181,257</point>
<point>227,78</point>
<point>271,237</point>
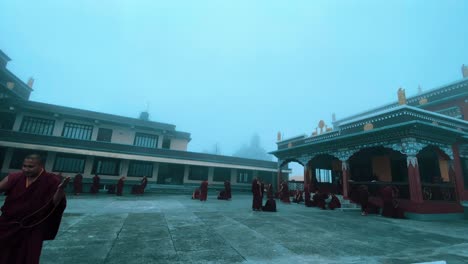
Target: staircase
<point>347,205</point>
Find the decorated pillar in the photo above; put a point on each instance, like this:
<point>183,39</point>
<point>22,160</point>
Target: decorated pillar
<point>414,179</point>
<point>410,147</point>
<point>343,155</point>
<point>345,178</point>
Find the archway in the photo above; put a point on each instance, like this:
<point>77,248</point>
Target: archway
<point>377,167</point>
<point>326,174</point>
<point>436,174</point>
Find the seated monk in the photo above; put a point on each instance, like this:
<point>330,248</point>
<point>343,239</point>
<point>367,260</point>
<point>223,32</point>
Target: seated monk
<point>140,189</point>
<point>363,196</point>
<point>270,205</point>
<point>196,194</point>
<point>111,189</point>
<point>390,203</point>
<point>334,203</point>
<point>223,195</point>
<point>319,199</point>
<point>298,197</point>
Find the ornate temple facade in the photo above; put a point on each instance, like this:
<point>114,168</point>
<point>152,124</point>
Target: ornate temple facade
<point>86,142</point>
<point>419,145</point>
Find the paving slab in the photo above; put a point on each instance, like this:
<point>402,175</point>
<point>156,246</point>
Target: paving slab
<point>163,228</point>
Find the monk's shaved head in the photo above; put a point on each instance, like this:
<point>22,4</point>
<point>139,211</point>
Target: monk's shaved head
<point>35,157</point>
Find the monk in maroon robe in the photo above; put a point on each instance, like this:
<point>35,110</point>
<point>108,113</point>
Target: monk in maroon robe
<point>32,211</point>
<point>390,203</point>
<point>120,185</point>
<point>227,189</point>
<point>204,191</point>
<point>269,190</point>
<point>256,195</point>
<point>307,200</point>
<point>270,205</point>
<point>319,199</point>
<point>196,194</point>
<point>334,203</point>
<point>140,189</point>
<point>78,184</point>
<point>95,186</point>
<point>285,192</point>
<point>363,193</point>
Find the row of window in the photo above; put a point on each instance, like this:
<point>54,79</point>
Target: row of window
<point>71,163</point>
<point>41,126</point>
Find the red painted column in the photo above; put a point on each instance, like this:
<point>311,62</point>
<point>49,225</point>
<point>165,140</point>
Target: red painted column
<point>345,171</point>
<point>458,179</point>
<point>414,179</point>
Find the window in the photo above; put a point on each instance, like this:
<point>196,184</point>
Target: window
<point>198,173</point>
<point>104,134</point>
<point>37,125</point>
<point>106,166</point>
<point>19,154</point>
<point>323,175</point>
<point>7,120</point>
<point>69,163</point>
<point>140,169</point>
<point>166,143</point>
<point>146,140</point>
<point>244,176</point>
<point>221,174</point>
<point>77,131</point>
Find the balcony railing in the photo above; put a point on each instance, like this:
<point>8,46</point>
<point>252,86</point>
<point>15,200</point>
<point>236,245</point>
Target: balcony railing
<point>438,192</point>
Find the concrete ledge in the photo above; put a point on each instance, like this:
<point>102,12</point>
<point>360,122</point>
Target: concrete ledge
<point>435,217</point>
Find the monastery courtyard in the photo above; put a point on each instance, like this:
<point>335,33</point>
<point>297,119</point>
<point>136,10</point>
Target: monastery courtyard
<point>168,228</point>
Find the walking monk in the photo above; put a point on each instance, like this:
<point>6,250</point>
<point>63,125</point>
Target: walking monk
<point>32,211</point>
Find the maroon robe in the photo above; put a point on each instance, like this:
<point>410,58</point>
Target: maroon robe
<point>78,184</point>
<point>120,185</point>
<point>307,200</point>
<point>270,191</point>
<point>29,217</point>
<point>257,196</point>
<point>227,189</point>
<point>285,193</point>
<point>334,203</point>
<point>270,205</point>
<point>140,189</point>
<point>196,194</point>
<point>203,190</point>
<point>95,186</point>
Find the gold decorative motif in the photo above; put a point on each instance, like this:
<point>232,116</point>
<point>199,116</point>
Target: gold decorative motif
<point>401,96</point>
<point>423,101</point>
<point>368,126</point>
<point>465,71</point>
<point>31,82</point>
<point>329,129</point>
<point>10,85</point>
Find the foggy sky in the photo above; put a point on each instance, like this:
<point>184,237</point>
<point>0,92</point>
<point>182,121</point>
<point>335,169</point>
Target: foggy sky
<point>224,70</point>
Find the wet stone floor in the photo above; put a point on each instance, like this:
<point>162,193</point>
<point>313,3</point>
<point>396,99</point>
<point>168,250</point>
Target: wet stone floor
<point>175,229</point>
